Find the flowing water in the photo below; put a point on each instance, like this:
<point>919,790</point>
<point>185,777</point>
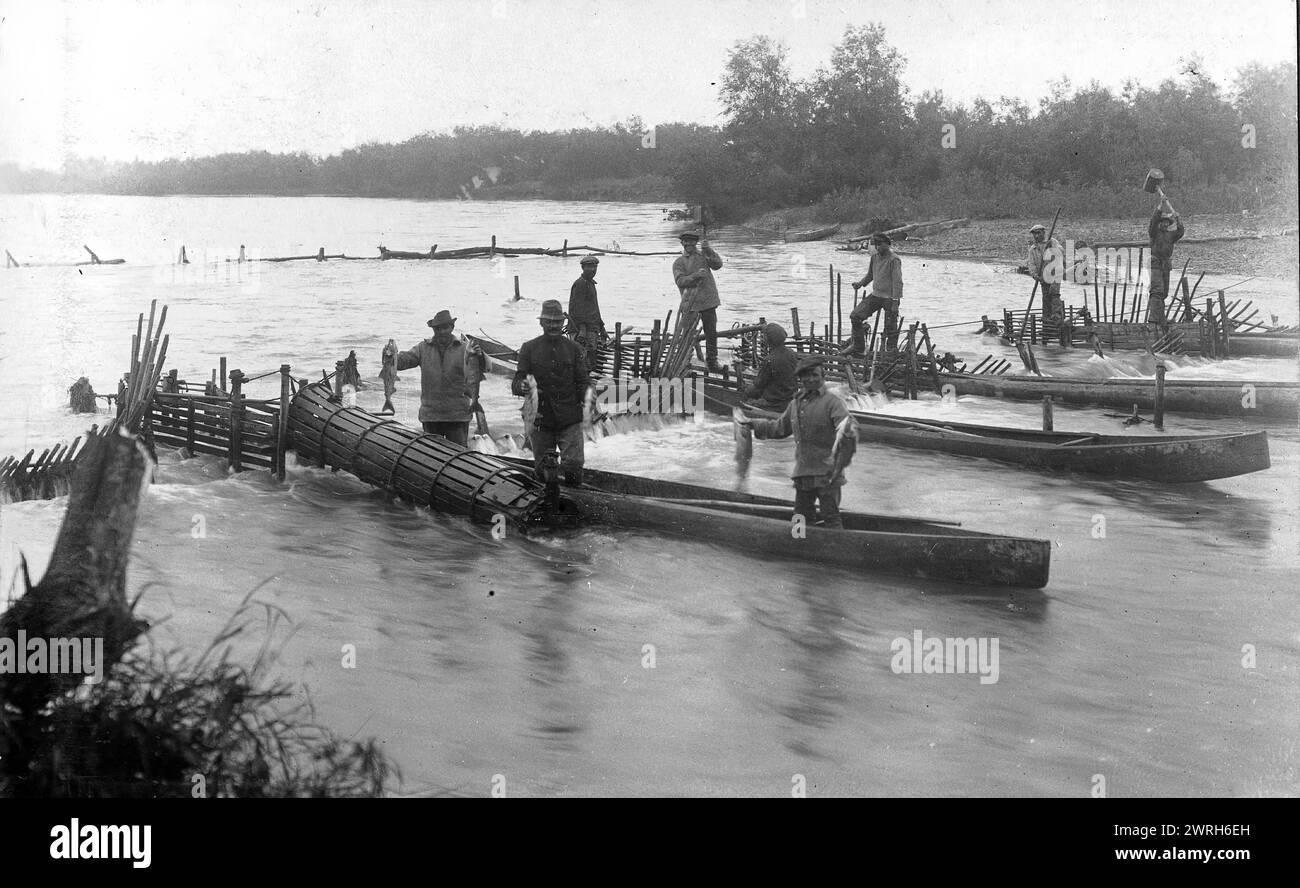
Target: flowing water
<point>599,663</point>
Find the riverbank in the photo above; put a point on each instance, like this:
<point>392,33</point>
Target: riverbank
<point>1270,245</point>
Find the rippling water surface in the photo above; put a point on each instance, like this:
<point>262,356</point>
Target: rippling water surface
<point>527,658</point>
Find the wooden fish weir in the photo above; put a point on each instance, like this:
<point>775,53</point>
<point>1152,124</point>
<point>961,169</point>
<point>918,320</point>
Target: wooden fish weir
<point>1188,330</point>
<point>425,469</point>
<point>49,476</point>
<point>249,432</point>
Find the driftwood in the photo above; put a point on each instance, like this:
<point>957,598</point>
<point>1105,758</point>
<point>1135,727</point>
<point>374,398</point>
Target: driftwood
<point>917,229</point>
<point>11,262</point>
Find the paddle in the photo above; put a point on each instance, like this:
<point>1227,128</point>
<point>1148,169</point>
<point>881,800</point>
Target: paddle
<point>780,512</point>
<point>923,426</point>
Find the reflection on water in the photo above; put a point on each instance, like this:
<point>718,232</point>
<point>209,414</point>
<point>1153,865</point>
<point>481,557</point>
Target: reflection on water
<point>527,657</point>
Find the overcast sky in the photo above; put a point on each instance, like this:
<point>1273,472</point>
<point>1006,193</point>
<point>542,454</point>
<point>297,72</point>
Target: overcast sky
<point>122,79</point>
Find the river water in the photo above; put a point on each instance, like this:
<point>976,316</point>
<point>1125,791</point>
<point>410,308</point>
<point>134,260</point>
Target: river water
<point>602,663</point>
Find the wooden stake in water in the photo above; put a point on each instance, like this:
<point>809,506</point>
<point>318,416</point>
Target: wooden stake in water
<point>1160,398</point>
<point>1047,413</point>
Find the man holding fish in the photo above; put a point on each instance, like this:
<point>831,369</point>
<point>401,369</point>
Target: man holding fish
<point>825,439</point>
<point>450,372</point>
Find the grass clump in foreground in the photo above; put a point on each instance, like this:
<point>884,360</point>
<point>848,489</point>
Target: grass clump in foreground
<point>161,724</point>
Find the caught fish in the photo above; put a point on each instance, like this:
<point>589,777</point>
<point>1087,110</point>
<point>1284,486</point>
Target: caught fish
<point>529,410</point>
<point>389,375</point>
<point>744,434</point>
<point>846,444</point>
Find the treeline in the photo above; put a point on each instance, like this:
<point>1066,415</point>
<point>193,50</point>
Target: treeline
<point>850,137</point>
<point>467,162</point>
<point>846,143</point>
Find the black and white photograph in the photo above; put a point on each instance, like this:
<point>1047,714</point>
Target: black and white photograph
<point>587,399</point>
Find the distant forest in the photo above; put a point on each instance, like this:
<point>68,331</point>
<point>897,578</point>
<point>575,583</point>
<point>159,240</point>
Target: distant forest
<point>846,143</point>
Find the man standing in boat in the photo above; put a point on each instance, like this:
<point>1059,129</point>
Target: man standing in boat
<point>825,439</point>
<point>1045,263</point>
<point>1165,230</point>
<point>693,273</point>
<point>776,382</point>
<point>450,371</point>
<point>556,364</point>
<point>586,327</point>
<point>885,274</point>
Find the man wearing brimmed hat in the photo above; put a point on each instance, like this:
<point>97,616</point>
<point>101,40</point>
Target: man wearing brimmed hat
<point>1165,230</point>
<point>1047,266</point>
<point>586,326</point>
<point>556,364</point>
<point>885,274</point>
<point>776,382</point>
<point>693,273</point>
<point>450,372</point>
<point>825,439</point>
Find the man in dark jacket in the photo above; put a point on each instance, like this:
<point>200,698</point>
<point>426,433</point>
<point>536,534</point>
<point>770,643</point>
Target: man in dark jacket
<point>586,327</point>
<point>776,383</point>
<point>450,371</point>
<point>825,439</point>
<point>1165,230</point>
<point>556,364</point>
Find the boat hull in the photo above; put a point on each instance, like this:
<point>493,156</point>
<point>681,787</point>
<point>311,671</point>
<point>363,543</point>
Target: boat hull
<point>900,545</point>
<point>1272,399</point>
<point>1172,459</point>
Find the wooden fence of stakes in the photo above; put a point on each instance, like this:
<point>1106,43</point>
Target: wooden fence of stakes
<point>194,417</point>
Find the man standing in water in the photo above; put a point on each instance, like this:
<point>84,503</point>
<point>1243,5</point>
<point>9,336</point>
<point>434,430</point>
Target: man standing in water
<point>1165,230</point>
<point>1045,262</point>
<point>586,327</point>
<point>825,439</point>
<point>885,274</point>
<point>693,273</point>
<point>450,371</point>
<point>556,364</point>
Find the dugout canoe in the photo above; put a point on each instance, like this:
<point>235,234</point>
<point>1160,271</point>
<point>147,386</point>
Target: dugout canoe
<point>811,234</point>
<point>1165,458</point>
<point>1224,397</point>
<point>761,525</point>
<point>430,470</point>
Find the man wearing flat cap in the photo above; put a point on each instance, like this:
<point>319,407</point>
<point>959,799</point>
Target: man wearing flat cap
<point>556,364</point>
<point>586,327</point>
<point>693,273</point>
<point>825,439</point>
<point>776,383</point>
<point>1165,230</point>
<point>450,373</point>
<point>885,274</point>
<point>1046,265</point>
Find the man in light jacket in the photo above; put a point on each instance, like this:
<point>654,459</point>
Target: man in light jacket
<point>693,273</point>
<point>450,372</point>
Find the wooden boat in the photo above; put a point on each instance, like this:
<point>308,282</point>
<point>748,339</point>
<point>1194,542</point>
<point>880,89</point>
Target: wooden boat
<point>1172,458</point>
<point>811,234</point>
<point>913,547</point>
<point>1218,396</point>
<point>432,471</point>
<point>1280,345</point>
